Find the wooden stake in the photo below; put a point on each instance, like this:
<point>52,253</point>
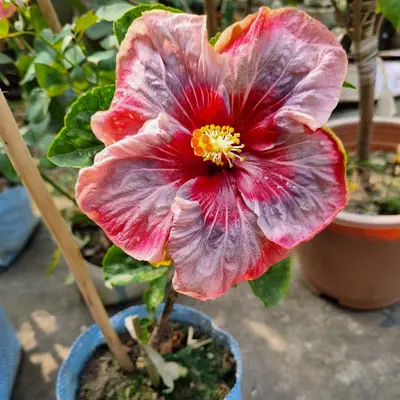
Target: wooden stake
<point>30,176</point>
<point>50,14</point>
<point>211,12</point>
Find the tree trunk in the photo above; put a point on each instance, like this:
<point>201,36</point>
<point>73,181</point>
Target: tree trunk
<point>365,52</point>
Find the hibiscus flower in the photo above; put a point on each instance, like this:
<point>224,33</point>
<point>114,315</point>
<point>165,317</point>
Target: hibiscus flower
<point>216,155</point>
<point>7,9</point>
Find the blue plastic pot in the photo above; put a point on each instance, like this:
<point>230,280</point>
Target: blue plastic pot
<point>85,345</point>
<point>17,223</point>
<point>10,355</point>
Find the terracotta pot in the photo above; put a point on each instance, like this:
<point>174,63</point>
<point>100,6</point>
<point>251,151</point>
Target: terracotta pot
<point>356,260</point>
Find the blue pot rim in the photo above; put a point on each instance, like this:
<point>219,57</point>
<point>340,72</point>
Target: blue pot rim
<point>179,310</point>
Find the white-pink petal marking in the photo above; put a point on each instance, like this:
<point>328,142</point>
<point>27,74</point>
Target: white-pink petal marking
<point>215,241</point>
<point>129,190</point>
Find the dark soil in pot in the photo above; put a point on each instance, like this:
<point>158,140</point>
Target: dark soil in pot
<point>211,371</point>
<point>383,194</point>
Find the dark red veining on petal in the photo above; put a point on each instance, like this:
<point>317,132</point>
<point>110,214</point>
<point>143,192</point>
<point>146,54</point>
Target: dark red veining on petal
<point>202,106</point>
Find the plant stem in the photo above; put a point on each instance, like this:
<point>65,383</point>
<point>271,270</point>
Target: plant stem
<point>57,187</point>
<point>211,12</point>
<point>60,53</point>
<point>248,7</point>
<point>340,18</point>
<point>151,368</point>
<point>161,324</point>
<point>366,49</point>
<point>21,33</point>
<point>27,45</point>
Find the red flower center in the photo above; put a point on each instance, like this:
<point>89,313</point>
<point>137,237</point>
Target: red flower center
<point>217,144</point>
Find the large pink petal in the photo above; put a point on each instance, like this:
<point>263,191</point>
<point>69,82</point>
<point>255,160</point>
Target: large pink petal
<point>297,187</point>
<point>215,241</point>
<point>165,65</point>
<point>129,190</point>
<point>286,67</point>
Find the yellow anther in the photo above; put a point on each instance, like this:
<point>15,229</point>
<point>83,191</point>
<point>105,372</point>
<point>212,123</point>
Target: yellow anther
<point>217,144</point>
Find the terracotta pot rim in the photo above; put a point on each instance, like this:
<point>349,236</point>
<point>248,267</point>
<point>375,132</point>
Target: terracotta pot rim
<point>346,218</point>
<point>355,119</point>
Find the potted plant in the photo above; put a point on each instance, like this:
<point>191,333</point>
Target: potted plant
<point>355,260</point>
<point>171,181</point>
<point>17,219</point>
<point>98,252</point>
<point>74,61</point>
<point>10,350</point>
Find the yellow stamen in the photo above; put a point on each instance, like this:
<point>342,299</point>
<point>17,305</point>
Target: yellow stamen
<point>217,144</point>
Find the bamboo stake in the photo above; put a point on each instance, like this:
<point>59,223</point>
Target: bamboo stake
<point>30,176</point>
<point>50,14</point>
<point>211,12</point>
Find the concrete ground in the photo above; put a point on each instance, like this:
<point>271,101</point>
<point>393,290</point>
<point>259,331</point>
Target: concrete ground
<point>307,349</point>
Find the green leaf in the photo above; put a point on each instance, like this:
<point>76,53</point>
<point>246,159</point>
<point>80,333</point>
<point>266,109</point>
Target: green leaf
<point>7,169</point>
<point>65,42</point>
<point>45,163</point>
<point>374,166</point>
<point>79,80</point>
<point>84,22</point>
<point>348,85</point>
<point>110,42</point>
<point>38,20</point>
<point>104,59</point>
<point>391,10</point>
<point>37,129</point>
<point>5,59</point>
<point>38,106</point>
<point>62,39</point>
<point>74,54</point>
<point>106,77</point>
<point>113,11</point>
<point>40,46</point>
<point>99,30</point>
<point>51,79</point>
<point>23,63</point>
<point>271,287</point>
<point>29,66</point>
<point>154,294</point>
<point>145,325</point>
<point>214,39</point>
<point>390,206</point>
<point>227,11</point>
<point>98,56</point>
<point>4,79</point>
<point>90,74</point>
<point>4,27</point>
<point>122,24</point>
<point>76,145</point>
<point>119,269</point>
<point>45,142</point>
<point>55,259</point>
